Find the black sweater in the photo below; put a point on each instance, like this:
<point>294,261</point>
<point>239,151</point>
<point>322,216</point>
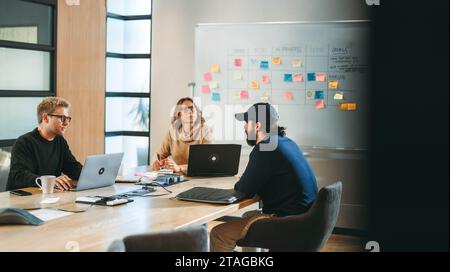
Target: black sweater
<point>282,178</point>
<point>33,156</point>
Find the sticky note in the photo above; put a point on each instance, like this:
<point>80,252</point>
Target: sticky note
<point>264,64</point>
<point>237,95</point>
<point>287,77</point>
<point>266,79</point>
<point>237,76</point>
<point>320,104</point>
<point>213,85</point>
<point>311,76</point>
<point>207,76</point>
<point>298,78</point>
<point>205,89</point>
<point>215,97</point>
<point>318,95</point>
<point>276,60</point>
<point>215,68</point>
<point>338,96</point>
<point>347,106</point>
<point>333,84</point>
<point>237,62</point>
<point>264,97</point>
<point>288,96</point>
<point>310,94</point>
<point>321,77</point>
<point>254,84</point>
<point>351,106</point>
<point>296,63</point>
<point>244,95</point>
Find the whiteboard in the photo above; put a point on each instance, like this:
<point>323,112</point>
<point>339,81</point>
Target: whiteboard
<point>305,69</point>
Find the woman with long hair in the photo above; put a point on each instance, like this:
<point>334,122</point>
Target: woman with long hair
<point>187,128</point>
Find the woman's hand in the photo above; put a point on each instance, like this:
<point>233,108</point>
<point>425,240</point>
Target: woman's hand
<point>170,164</point>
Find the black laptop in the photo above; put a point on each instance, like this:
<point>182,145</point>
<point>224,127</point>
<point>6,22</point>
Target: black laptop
<point>213,160</point>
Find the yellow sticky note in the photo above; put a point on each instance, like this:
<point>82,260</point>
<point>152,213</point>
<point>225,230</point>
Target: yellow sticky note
<point>213,85</point>
<point>276,60</point>
<point>333,84</point>
<point>296,63</point>
<point>237,75</point>
<point>338,96</point>
<point>215,68</point>
<point>264,97</point>
<point>254,84</point>
<point>237,95</point>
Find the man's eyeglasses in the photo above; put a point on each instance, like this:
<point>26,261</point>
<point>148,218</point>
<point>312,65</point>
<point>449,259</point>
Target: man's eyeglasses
<point>62,118</point>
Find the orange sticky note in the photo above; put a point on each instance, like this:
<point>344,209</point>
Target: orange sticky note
<point>321,77</point>
<point>333,84</point>
<point>288,96</point>
<point>276,60</point>
<point>320,104</point>
<point>215,68</point>
<point>351,106</point>
<point>254,84</point>
<point>266,79</point>
<point>205,89</point>
<point>298,78</point>
<point>244,95</point>
<point>207,76</point>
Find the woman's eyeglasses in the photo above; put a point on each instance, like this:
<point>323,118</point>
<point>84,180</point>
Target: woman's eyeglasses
<point>62,118</point>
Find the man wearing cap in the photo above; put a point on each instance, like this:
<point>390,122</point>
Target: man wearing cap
<point>277,172</point>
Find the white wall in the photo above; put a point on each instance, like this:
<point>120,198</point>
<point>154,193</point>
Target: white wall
<point>173,28</point>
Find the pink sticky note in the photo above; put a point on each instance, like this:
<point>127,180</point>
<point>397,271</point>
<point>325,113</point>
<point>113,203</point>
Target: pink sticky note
<point>238,62</point>
<point>320,104</point>
<point>266,79</point>
<point>298,78</point>
<point>321,77</point>
<point>288,96</point>
<point>244,95</point>
<point>207,76</point>
<point>205,89</point>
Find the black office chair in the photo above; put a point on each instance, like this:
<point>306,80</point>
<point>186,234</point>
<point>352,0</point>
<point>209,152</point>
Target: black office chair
<point>191,239</point>
<point>306,232</point>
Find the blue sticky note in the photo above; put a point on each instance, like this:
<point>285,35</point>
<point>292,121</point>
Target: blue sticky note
<point>287,77</point>
<point>264,64</point>
<point>318,95</point>
<point>311,76</point>
<point>216,97</point>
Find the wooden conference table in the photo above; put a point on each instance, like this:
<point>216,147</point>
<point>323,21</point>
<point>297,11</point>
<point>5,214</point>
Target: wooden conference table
<point>95,228</point>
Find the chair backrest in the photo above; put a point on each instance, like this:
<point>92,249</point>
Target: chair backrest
<point>4,172</point>
<point>305,232</point>
<point>191,239</point>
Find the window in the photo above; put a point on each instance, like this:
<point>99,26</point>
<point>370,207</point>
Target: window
<point>27,66</point>
<point>128,45</point>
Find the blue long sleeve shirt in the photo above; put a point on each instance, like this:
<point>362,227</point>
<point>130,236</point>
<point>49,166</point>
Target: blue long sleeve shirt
<point>282,178</point>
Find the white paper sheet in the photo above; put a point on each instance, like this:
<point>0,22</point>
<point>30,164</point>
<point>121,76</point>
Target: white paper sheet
<point>49,214</point>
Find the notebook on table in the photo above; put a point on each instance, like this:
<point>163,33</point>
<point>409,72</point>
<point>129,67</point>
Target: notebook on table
<point>211,195</point>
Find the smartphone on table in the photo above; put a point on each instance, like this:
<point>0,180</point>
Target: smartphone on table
<point>20,193</point>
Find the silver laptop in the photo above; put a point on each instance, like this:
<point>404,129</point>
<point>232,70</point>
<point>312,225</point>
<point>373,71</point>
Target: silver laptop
<point>99,171</point>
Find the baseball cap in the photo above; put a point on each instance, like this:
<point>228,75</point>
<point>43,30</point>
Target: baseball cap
<point>260,112</point>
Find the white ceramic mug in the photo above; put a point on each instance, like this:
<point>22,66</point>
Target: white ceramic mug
<point>47,184</point>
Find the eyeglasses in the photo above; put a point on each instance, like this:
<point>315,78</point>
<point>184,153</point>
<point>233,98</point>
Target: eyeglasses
<point>62,118</point>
